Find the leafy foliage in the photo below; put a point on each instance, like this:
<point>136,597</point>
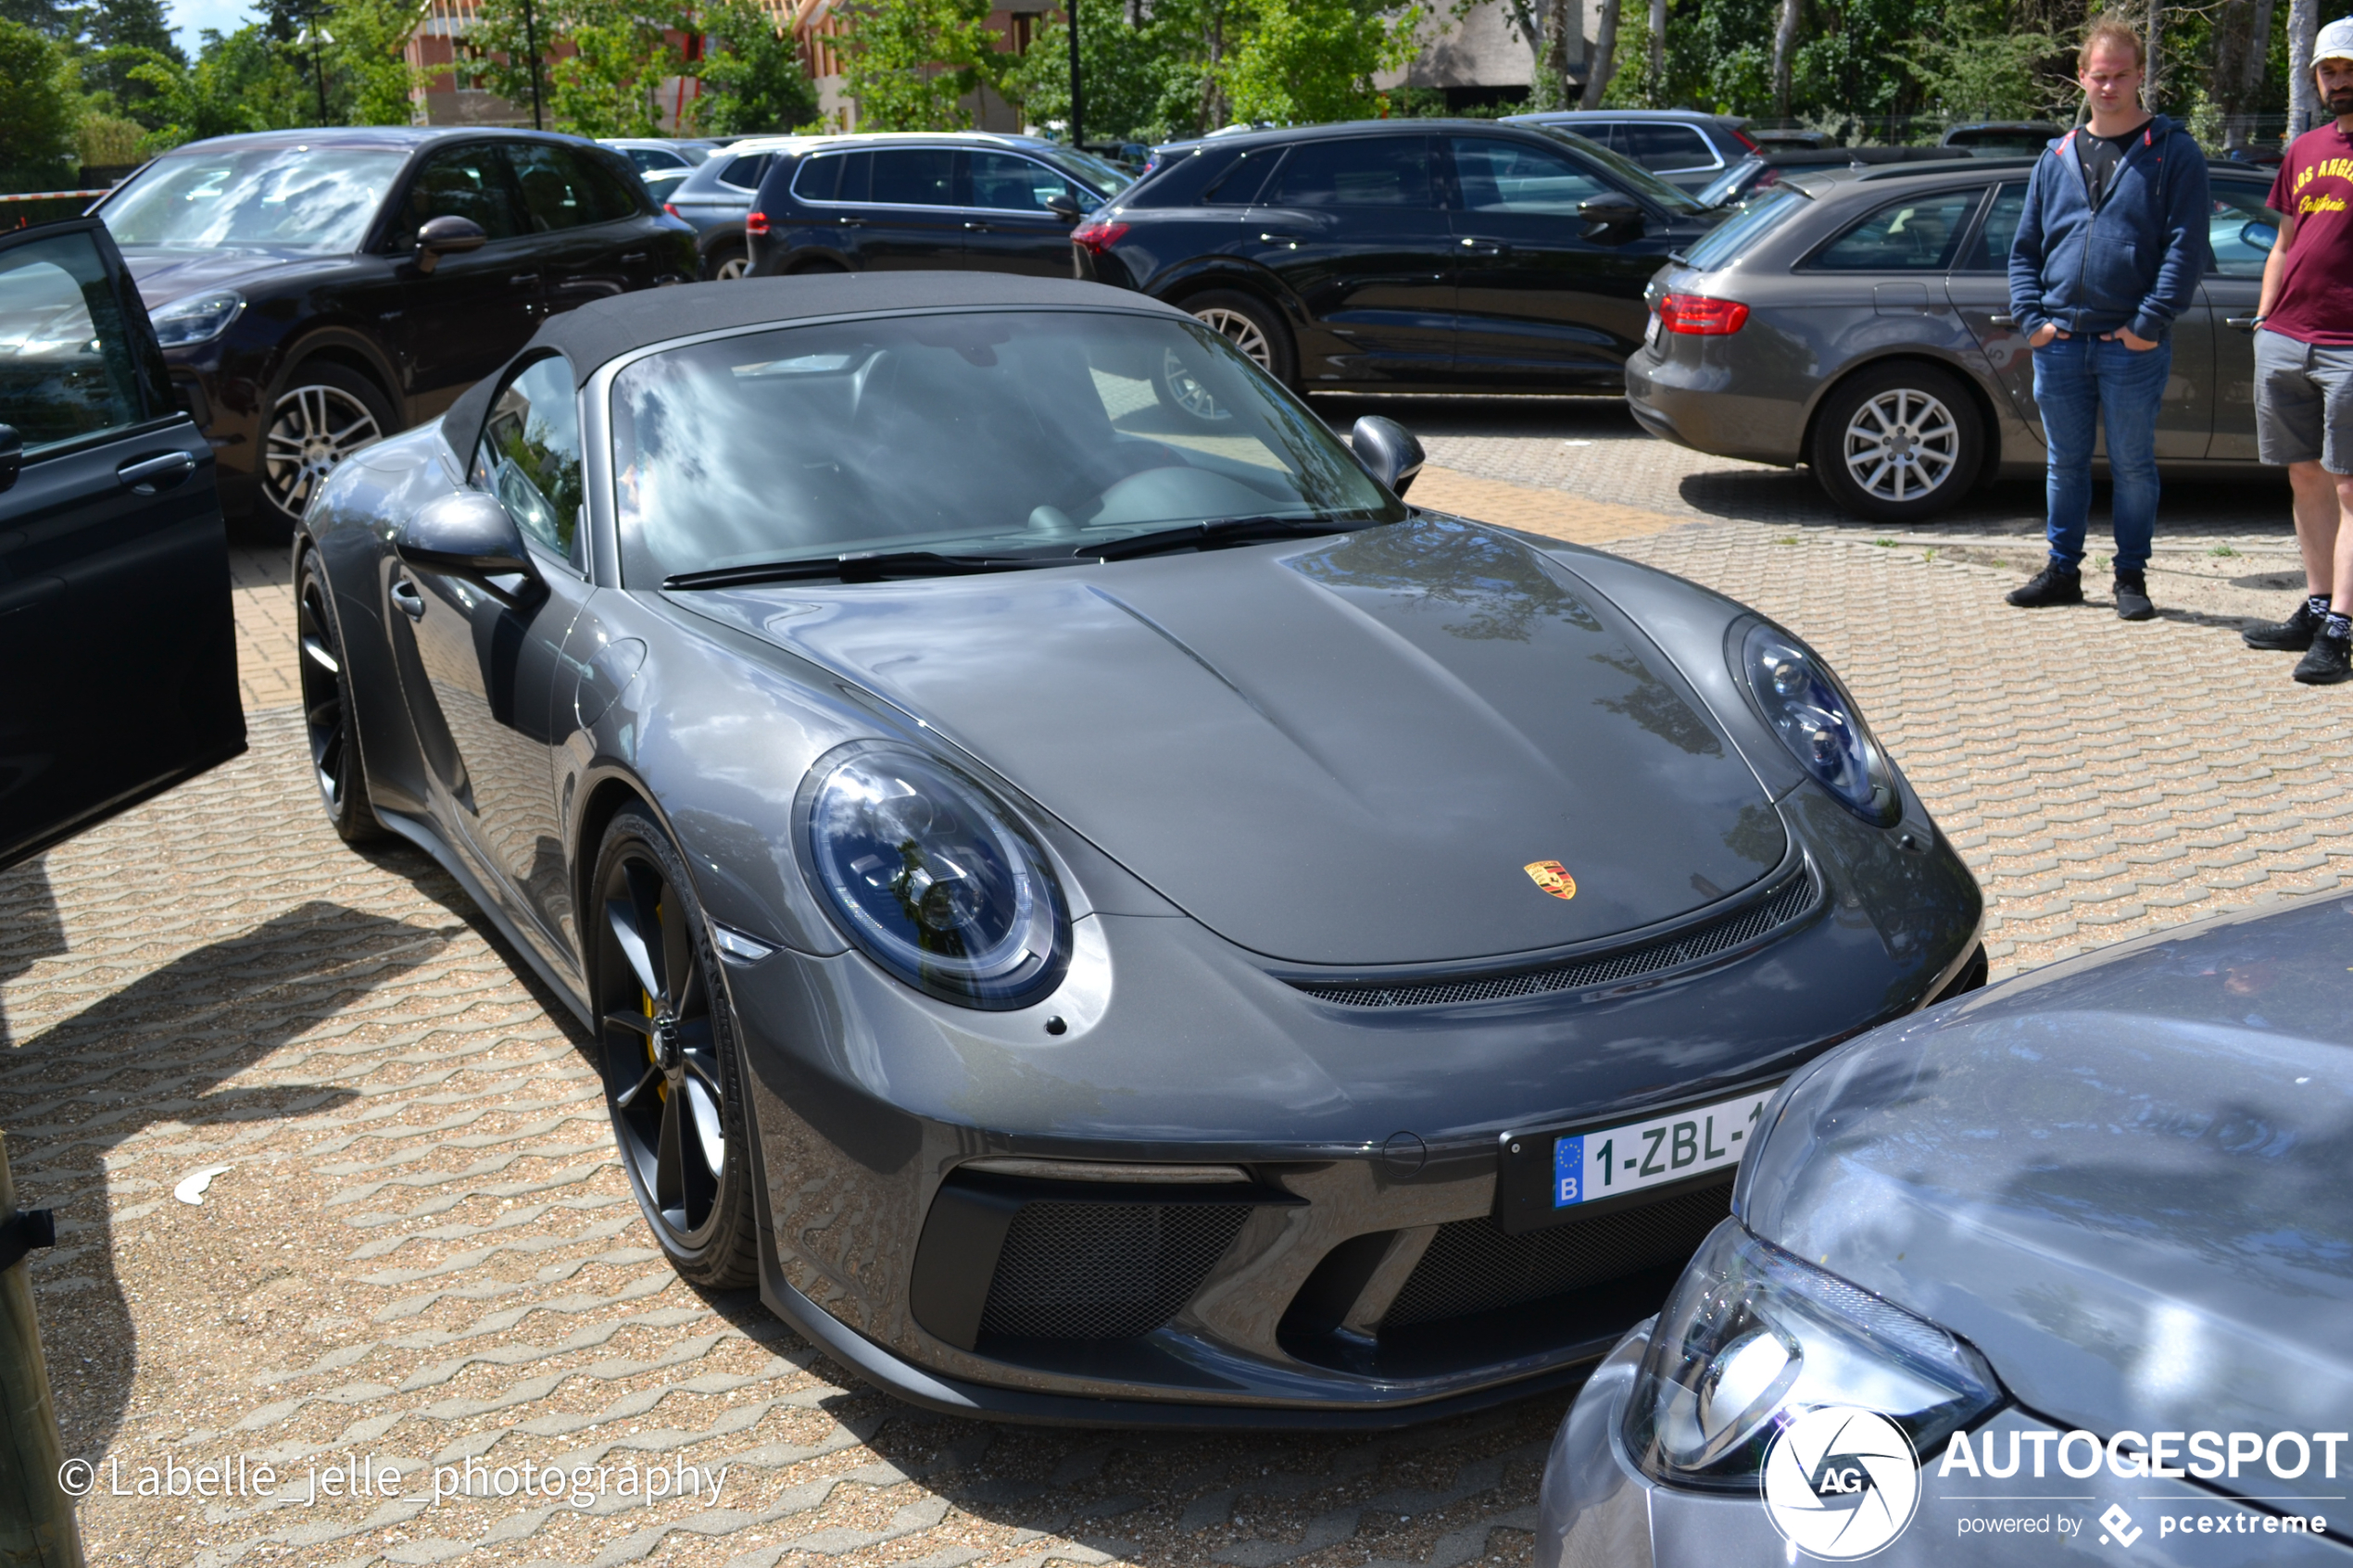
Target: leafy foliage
<point>752,78</point>
<point>606,86</point>
<point>907,62</point>
<point>36,113</point>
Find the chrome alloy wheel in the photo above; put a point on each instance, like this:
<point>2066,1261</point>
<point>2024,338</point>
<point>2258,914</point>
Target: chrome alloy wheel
<point>1901,444</point>
<point>735,267</point>
<point>663,1074</point>
<point>312,429</point>
<point>1239,331</point>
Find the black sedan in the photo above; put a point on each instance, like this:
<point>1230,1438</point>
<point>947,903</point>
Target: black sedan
<point>1858,321</point>
<point>1102,909</point>
<point>2084,1243</point>
<point>1445,256</point>
<point>315,290</point>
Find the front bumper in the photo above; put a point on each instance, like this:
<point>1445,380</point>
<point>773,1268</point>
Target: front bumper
<point>1355,1278</point>
<point>1598,1510</point>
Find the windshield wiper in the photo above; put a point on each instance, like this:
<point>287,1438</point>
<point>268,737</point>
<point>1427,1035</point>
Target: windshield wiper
<point>867,568</point>
<point>1215,536</point>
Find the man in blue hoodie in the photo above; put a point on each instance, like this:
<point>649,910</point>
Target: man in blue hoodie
<point>2109,254</point>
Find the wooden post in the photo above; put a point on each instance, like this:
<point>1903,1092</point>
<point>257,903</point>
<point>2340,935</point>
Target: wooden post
<point>36,1517</point>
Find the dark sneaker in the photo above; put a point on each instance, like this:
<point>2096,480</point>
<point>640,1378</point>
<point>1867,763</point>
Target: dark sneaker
<point>2132,597</point>
<point>2055,585</point>
<point>2292,635</point>
<point>2329,660</point>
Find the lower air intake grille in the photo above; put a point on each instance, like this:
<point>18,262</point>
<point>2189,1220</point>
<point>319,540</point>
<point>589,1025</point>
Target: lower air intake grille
<point>1474,1266</point>
<point>1777,909</point>
<point>1104,1271</point>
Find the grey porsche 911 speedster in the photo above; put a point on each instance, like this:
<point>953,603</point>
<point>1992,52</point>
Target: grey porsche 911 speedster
<point>1098,907</point>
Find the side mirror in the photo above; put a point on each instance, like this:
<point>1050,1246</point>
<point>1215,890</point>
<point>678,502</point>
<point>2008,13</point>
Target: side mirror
<point>11,456</point>
<point>2258,236</point>
<point>1614,220</point>
<point>466,534</point>
<point>1065,205</point>
<point>1388,450</point>
<point>447,235</point>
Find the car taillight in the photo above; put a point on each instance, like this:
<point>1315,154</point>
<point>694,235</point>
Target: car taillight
<point>1700,316</point>
<point>670,209</point>
<point>1098,235</point>
<point>755,222</point>
<point>1744,139</point>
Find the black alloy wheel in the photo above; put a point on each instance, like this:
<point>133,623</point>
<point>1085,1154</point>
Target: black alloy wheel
<point>327,708</point>
<point>1898,443</point>
<point>322,414</point>
<point>1250,324</point>
<point>669,1057</point>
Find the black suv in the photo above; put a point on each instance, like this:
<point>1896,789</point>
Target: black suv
<point>971,201</point>
<point>1443,256</point>
<point>315,290</point>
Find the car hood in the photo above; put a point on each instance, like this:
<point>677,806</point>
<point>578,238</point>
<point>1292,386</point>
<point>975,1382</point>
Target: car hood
<point>1341,751</point>
<point>165,273</point>
<point>2128,1180</point>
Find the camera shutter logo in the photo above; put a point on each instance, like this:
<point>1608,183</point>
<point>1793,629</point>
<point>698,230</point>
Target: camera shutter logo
<point>1841,1483</point>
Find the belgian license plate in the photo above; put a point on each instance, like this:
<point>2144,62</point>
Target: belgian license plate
<point>1547,1177</point>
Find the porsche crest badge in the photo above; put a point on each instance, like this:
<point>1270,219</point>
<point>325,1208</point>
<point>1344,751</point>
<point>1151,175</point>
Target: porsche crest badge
<point>1552,877</point>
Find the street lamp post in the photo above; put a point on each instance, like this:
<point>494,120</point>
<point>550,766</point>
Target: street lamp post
<point>315,35</point>
<point>1070,9</point>
<point>531,46</point>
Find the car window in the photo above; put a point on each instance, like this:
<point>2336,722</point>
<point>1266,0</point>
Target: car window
<point>302,199</point>
<point>914,177</point>
<point>2242,229</point>
<point>1239,184</point>
<point>1915,234</point>
<point>1493,175</point>
<point>563,188</point>
<point>650,158</point>
<point>1989,249</point>
<point>66,369</point>
<point>473,182</point>
<point>529,455</point>
<point>1356,171</point>
<point>1628,174</point>
<point>1010,182</point>
<point>744,172</point>
<point>1662,149</point>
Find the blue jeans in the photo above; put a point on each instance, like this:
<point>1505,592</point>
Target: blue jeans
<point>2079,381</point>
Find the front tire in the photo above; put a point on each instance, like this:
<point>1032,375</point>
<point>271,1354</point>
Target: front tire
<point>322,414</point>
<point>1898,444</point>
<point>669,1056</point>
<point>328,713</point>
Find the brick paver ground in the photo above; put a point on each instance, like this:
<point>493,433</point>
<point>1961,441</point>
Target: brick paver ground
<point>419,1251</point>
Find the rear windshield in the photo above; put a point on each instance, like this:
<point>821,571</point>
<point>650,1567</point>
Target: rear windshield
<point>1743,228</point>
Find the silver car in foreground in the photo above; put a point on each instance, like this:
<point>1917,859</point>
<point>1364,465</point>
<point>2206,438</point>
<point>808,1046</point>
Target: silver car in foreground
<point>1858,321</point>
<point>2081,1242</point>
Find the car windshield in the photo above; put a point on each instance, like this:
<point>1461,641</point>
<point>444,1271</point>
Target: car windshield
<point>294,198</point>
<point>1632,175</point>
<point>1101,173</point>
<point>1743,228</point>
<point>993,433</point>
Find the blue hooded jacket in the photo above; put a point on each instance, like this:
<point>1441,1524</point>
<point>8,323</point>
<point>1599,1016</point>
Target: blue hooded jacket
<point>2134,263</point>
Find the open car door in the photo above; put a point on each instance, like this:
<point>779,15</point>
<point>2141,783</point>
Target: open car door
<point>118,657</point>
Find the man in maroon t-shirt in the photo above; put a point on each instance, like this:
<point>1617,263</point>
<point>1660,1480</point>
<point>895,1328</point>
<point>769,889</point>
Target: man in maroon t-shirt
<point>2304,367</point>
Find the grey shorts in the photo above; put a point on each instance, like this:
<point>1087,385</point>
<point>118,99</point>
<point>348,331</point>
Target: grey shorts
<point>2303,402</point>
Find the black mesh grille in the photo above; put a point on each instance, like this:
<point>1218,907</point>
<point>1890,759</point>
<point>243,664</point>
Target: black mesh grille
<point>1104,1271</point>
<point>1784,904</point>
<point>1473,1266</point>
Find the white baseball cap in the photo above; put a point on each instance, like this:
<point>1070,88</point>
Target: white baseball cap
<point>2335,42</point>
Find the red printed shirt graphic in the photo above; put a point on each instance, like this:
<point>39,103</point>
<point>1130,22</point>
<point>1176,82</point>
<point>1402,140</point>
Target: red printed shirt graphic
<point>2315,187</point>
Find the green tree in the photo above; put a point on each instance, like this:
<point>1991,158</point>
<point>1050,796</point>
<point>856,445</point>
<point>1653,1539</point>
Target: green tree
<point>1303,61</point>
<point>240,81</point>
<point>1140,82</point>
<point>36,113</point>
<point>907,63</point>
<point>752,78</point>
<point>369,78</point>
<point>607,86</point>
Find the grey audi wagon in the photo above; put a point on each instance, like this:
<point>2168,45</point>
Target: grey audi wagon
<point>1858,321</point>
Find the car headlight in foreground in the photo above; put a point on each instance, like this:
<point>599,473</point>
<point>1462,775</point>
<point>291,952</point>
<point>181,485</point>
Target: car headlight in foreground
<point>1753,1338</point>
<point>201,318</point>
<point>1810,709</point>
<point>931,878</point>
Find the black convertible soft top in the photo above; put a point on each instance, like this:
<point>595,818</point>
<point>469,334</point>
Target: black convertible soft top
<point>606,328</point>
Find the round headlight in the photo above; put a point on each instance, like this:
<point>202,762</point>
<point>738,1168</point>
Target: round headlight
<point>932,878</point>
<point>1810,710</point>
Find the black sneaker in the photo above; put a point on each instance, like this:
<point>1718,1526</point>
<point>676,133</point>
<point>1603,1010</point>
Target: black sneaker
<point>2132,597</point>
<point>2292,636</point>
<point>2329,660</point>
<point>2055,585</point>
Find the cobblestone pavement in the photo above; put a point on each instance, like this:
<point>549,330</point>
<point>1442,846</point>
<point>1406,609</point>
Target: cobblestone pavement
<point>417,1251</point>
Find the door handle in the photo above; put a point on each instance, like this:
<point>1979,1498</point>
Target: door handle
<point>1484,247</point>
<point>405,594</point>
<point>851,223</point>
<point>981,228</point>
<point>2003,320</point>
<point>632,255</point>
<point>524,281</point>
<point>148,472</point>
<point>1276,237</point>
<point>2243,323</point>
